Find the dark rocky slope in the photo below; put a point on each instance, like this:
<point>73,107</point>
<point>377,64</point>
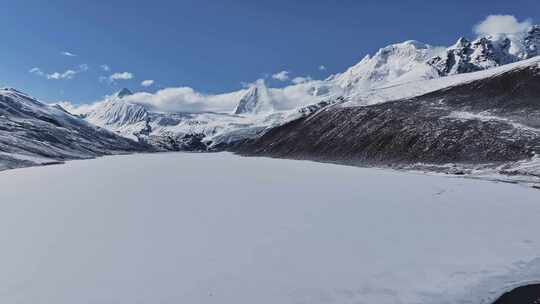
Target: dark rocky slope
<point>33,133</point>
<point>529,294</point>
<point>492,120</point>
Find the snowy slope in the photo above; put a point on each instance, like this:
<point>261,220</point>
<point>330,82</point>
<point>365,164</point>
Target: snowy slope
<point>420,87</point>
<point>173,228</point>
<point>115,114</point>
<point>34,133</point>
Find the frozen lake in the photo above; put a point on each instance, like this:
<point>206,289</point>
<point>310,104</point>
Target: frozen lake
<point>218,228</point>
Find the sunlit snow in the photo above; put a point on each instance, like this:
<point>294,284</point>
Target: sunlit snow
<point>218,228</point>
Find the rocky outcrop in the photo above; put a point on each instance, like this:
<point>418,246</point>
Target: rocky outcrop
<point>487,52</point>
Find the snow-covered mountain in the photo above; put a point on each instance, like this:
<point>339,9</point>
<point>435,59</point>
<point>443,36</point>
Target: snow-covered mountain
<point>396,63</point>
<point>396,71</point>
<point>114,113</point>
<point>32,132</point>
<point>256,100</point>
<point>487,52</point>
<point>187,131</point>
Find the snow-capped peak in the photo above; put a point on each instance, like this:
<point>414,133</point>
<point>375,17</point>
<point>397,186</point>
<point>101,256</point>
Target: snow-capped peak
<point>394,63</point>
<point>116,112</point>
<point>532,41</point>
<point>487,52</point>
<point>256,100</point>
<point>462,42</point>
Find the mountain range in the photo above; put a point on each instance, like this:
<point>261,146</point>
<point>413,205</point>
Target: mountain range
<point>411,105</point>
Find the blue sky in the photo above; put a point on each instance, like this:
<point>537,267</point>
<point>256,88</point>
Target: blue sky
<point>213,46</point>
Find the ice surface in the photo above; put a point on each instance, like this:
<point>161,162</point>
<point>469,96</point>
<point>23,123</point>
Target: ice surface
<point>218,228</point>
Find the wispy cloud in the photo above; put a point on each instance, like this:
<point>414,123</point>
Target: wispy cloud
<point>299,80</point>
<point>68,74</point>
<point>105,67</point>
<point>116,77</point>
<point>322,68</point>
<point>281,76</point>
<point>69,54</point>
<point>121,76</point>
<point>501,24</point>
<point>37,71</point>
<point>147,83</point>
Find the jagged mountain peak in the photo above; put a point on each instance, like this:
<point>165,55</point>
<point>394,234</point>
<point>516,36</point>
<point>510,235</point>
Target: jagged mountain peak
<point>532,41</point>
<point>123,93</point>
<point>257,99</point>
<point>486,52</point>
<point>462,42</point>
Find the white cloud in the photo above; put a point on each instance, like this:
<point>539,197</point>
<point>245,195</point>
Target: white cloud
<point>322,68</point>
<point>501,24</point>
<point>36,71</point>
<point>297,95</point>
<point>299,80</point>
<point>147,83</point>
<point>105,67</point>
<point>185,99</point>
<point>121,76</point>
<point>69,54</point>
<point>281,76</point>
<point>68,74</point>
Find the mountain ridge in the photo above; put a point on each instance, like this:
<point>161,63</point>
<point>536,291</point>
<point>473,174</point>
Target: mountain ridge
<point>33,133</point>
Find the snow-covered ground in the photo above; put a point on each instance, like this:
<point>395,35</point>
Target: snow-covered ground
<point>218,228</point>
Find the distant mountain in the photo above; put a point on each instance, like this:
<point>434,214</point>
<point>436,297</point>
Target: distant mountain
<point>487,52</point>
<point>119,116</point>
<point>256,100</point>
<point>33,133</point>
<point>187,131</point>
